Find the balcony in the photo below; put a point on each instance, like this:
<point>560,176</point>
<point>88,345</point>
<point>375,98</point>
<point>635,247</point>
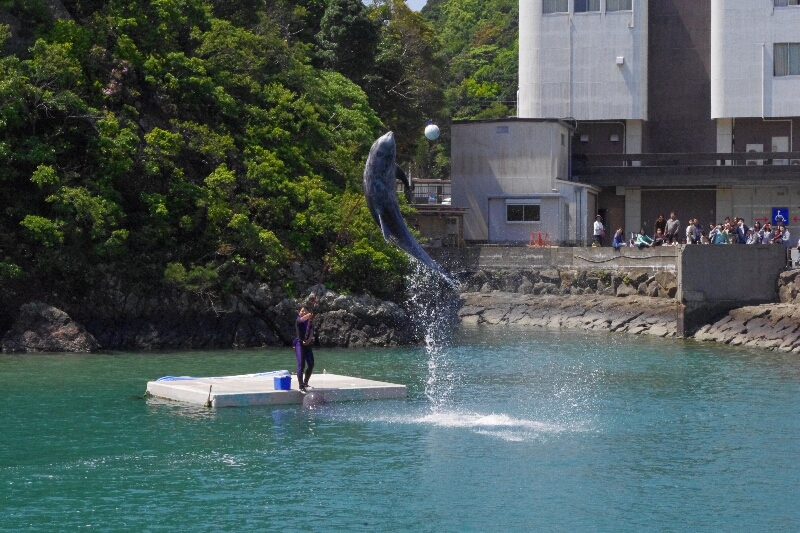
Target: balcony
<point>686,168</point>
<point>430,192</point>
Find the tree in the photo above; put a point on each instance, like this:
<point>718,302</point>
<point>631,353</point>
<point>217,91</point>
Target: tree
<point>481,49</point>
<point>166,141</point>
<point>347,39</point>
<point>405,86</point>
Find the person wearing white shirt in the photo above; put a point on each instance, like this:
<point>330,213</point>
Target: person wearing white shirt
<point>599,231</point>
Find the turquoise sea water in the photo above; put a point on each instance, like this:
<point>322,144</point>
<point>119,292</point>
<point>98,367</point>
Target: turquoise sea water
<point>508,428</point>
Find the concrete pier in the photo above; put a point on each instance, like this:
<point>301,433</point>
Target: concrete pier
<point>259,389</point>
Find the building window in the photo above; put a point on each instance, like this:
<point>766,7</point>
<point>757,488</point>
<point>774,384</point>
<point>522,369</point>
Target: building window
<point>555,6</point>
<point>786,59</point>
<point>619,5</point>
<point>784,3</point>
<point>584,6</point>
<point>522,212</point>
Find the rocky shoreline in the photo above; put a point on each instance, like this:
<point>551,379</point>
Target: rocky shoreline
<point>774,326</point>
<point>637,303</point>
<point>259,317</point>
<point>639,315</point>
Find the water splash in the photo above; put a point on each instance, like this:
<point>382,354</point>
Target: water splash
<point>433,305</point>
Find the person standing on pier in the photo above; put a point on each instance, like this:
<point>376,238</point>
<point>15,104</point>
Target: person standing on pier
<point>304,330</point>
<point>599,231</point>
<point>673,226</point>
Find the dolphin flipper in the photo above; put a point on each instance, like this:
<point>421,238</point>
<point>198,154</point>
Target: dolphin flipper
<point>387,234</point>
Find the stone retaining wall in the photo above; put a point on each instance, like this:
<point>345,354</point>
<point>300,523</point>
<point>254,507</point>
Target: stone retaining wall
<point>573,282</point>
<point>640,315</point>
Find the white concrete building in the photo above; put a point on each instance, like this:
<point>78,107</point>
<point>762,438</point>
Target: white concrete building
<point>588,65</point>
<point>512,176</point>
<point>659,91</point>
<point>755,59</point>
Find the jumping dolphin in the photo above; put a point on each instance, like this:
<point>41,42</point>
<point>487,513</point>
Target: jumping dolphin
<point>380,174</point>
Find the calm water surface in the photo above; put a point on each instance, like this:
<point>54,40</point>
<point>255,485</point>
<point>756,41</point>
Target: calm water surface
<point>508,428</point>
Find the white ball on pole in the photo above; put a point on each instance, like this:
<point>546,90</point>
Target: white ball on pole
<point>432,131</point>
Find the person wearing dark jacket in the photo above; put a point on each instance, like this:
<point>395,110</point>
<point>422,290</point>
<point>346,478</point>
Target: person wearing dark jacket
<point>741,232</point>
<point>303,328</point>
<point>660,224</point>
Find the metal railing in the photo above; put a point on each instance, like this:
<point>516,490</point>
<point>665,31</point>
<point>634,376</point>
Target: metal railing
<point>688,159</point>
<point>435,192</point>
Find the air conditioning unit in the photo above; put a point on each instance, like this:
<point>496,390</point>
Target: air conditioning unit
<point>452,226</point>
<point>754,162</point>
<point>755,149</point>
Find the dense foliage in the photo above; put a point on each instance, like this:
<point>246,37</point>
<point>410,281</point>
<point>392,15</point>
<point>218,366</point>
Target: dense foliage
<point>189,142</point>
<point>205,143</point>
<point>480,42</point>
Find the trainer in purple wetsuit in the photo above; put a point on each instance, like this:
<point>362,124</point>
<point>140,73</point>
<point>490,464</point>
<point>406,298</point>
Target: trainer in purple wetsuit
<point>302,346</point>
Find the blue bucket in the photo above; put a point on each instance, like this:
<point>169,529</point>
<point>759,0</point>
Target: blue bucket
<point>282,382</point>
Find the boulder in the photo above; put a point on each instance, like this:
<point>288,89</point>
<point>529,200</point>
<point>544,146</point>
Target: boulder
<point>357,321</point>
<point>788,293</point>
<point>627,290</point>
<point>642,289</point>
<point>477,280</point>
<point>550,276</point>
<point>568,277</point>
<point>638,276</point>
<point>533,275</point>
<point>43,328</point>
<point>652,289</point>
<point>665,278</point>
<point>253,331</point>
<point>510,281</point>
<point>790,276</point>
<point>526,287</point>
<point>544,288</point>
<point>591,281</point>
<point>671,289</point>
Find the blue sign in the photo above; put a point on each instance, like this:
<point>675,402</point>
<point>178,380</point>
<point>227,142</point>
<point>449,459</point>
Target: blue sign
<point>780,215</point>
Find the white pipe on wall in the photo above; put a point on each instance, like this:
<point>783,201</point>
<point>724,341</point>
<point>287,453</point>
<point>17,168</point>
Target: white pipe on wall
<point>633,14</point>
<point>763,80</point>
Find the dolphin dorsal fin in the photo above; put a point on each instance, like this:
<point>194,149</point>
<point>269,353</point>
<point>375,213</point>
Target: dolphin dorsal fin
<point>400,175</point>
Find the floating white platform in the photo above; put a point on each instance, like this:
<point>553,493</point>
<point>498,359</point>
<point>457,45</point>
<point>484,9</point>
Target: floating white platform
<point>259,389</point>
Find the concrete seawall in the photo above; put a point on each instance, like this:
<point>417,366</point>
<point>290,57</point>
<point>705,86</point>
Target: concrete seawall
<point>712,280</point>
<point>663,258</point>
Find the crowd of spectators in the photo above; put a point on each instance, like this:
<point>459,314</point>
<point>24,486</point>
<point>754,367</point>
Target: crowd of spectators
<point>669,232</point>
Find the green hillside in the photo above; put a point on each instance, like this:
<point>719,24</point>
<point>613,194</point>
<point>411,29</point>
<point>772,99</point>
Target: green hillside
<point>204,144</point>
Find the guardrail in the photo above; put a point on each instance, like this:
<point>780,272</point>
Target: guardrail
<point>688,159</point>
<point>431,192</point>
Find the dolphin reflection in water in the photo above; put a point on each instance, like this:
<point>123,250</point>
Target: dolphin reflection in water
<point>380,174</point>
